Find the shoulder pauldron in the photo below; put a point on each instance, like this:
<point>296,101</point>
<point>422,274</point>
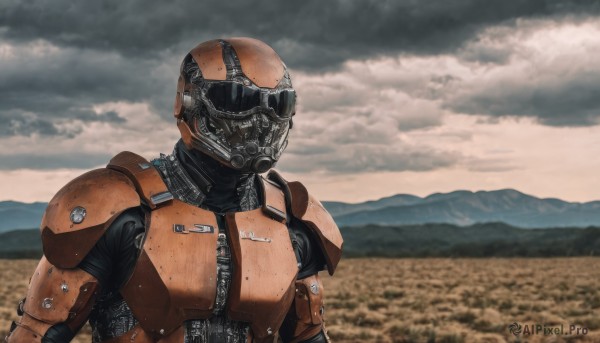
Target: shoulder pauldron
<point>311,212</point>
<point>80,213</point>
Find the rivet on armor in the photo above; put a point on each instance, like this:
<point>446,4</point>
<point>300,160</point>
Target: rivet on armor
<point>64,287</point>
<point>314,288</point>
<point>47,303</point>
<point>269,331</point>
<point>162,331</point>
<point>78,215</point>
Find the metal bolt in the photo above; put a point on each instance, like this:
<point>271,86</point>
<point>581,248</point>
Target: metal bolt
<point>162,331</point>
<point>64,287</point>
<point>47,303</point>
<point>269,331</point>
<point>77,215</point>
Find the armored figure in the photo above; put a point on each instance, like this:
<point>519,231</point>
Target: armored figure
<point>201,245</point>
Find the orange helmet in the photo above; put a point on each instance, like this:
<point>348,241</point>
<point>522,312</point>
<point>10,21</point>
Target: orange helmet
<point>235,103</point>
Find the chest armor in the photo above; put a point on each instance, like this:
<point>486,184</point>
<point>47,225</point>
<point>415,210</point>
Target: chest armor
<point>175,277</point>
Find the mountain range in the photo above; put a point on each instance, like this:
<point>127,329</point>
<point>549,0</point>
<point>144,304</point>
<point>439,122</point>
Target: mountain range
<point>462,208</point>
<point>466,208</point>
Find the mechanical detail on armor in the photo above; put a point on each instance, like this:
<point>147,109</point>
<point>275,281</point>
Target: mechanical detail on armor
<point>223,272</point>
<point>111,317</point>
<point>218,328</point>
<point>247,194</point>
<point>177,180</point>
<point>215,329</point>
<point>183,187</point>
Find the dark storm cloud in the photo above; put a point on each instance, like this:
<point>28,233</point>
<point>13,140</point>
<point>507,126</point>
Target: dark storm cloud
<point>355,159</point>
<point>52,161</point>
<point>42,86</point>
<point>308,34</point>
<point>19,123</point>
<point>109,51</point>
<point>571,100</point>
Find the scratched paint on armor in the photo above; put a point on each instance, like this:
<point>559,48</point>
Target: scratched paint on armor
<point>215,330</point>
<point>110,317</point>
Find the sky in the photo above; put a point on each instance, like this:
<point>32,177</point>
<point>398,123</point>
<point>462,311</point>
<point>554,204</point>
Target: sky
<point>399,96</point>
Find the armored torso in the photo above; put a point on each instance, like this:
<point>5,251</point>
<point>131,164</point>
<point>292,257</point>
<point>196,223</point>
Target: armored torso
<point>202,276</point>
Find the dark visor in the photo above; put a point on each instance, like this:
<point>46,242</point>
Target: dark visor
<point>233,98</point>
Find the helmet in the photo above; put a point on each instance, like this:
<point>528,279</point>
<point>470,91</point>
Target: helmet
<point>235,103</point>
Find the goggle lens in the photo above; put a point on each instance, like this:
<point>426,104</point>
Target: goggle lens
<point>283,102</point>
<point>234,98</point>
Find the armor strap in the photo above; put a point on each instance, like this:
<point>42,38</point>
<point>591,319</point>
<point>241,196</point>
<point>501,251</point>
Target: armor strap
<point>305,318</point>
<point>273,195</point>
<point>147,180</point>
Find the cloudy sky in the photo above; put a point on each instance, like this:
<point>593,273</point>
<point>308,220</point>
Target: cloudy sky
<point>395,96</point>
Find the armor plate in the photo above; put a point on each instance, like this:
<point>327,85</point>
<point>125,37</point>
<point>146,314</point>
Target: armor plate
<point>68,233</point>
<point>264,271</point>
<point>174,279</point>
<point>54,296</point>
<point>175,276</point>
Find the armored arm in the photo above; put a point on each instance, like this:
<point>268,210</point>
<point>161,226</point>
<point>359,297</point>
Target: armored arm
<point>68,278</point>
<point>57,305</point>
<point>304,321</point>
<point>318,244</point>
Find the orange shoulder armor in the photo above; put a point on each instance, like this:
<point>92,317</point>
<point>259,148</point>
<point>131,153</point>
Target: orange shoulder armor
<point>80,213</point>
<point>311,212</point>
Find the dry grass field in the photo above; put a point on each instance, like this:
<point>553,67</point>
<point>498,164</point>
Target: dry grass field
<point>430,300</point>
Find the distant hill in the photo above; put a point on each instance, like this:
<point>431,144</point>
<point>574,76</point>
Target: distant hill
<point>18,215</point>
<point>431,240</point>
<point>21,244</point>
<point>479,240</point>
<point>467,208</point>
<point>459,208</point>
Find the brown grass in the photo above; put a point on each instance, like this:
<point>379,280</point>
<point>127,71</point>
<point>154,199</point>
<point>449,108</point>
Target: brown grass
<point>429,300</point>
